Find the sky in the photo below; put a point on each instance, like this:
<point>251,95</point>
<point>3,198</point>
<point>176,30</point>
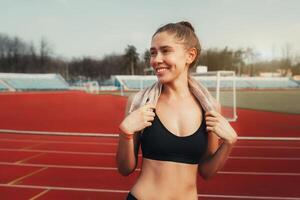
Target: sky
<point>95,28</point>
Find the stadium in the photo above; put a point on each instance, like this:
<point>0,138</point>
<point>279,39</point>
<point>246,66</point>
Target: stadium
<point>56,143</point>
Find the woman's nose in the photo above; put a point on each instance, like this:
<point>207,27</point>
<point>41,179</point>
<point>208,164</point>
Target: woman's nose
<point>156,59</point>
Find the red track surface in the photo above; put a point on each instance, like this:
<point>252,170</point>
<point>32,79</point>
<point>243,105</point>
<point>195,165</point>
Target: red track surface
<point>69,167</point>
<point>81,112</point>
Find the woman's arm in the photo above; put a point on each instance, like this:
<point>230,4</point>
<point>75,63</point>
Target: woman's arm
<point>215,157</point>
<point>129,138</point>
<point>127,152</point>
<point>216,154</point>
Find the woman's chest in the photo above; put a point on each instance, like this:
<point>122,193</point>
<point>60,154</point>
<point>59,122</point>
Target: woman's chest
<point>180,118</point>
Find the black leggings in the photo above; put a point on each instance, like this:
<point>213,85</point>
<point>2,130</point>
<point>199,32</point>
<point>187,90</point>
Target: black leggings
<point>131,197</point>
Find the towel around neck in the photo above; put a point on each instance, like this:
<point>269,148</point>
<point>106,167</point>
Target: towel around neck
<point>152,93</point>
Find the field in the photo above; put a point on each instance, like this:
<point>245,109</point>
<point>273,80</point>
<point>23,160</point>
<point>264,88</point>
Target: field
<point>285,101</point>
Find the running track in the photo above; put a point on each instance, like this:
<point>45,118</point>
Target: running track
<point>71,167</point>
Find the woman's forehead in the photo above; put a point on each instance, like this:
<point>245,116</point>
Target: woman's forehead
<point>165,39</point>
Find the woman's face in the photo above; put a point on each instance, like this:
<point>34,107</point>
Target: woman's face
<point>169,57</point>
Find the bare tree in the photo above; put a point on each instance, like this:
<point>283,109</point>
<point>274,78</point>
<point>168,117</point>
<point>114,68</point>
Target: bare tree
<point>287,59</point>
<point>45,52</point>
<point>132,57</point>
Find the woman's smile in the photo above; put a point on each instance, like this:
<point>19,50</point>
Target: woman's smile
<point>161,70</point>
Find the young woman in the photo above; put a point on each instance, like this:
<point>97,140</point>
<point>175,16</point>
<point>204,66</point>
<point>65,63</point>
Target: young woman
<point>178,132</point>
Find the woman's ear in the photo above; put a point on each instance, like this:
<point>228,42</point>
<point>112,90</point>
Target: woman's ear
<point>191,55</point>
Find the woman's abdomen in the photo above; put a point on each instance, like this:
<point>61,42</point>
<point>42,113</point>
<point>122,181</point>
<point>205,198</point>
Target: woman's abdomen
<point>169,180</point>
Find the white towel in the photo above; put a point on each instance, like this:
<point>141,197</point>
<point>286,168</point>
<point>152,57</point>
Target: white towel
<point>151,95</point>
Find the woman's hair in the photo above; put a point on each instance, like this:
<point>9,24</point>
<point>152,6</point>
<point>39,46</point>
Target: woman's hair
<point>185,32</point>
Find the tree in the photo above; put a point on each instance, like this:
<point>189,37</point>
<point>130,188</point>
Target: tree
<point>287,59</point>
<point>146,61</point>
<point>131,57</point>
<point>296,69</point>
<point>250,57</point>
<point>45,52</point>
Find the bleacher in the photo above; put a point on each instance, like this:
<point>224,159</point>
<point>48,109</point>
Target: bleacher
<point>267,83</point>
<point>138,82</point>
<point>3,87</point>
<point>23,82</point>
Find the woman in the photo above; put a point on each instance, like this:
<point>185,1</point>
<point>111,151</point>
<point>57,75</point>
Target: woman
<point>179,130</point>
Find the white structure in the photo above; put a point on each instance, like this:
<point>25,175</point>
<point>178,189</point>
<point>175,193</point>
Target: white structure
<point>201,69</point>
<point>20,82</point>
<point>91,87</point>
<point>214,81</point>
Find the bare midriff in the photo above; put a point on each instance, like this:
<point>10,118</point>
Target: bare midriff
<point>166,180</point>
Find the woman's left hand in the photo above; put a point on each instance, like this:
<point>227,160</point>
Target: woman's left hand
<point>218,125</point>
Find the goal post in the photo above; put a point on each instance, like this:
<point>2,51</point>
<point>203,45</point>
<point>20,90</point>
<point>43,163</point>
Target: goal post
<point>222,85</point>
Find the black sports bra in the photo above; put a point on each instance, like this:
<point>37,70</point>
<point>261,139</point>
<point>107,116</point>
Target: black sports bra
<point>158,143</point>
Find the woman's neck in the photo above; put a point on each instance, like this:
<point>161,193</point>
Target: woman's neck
<point>177,89</point>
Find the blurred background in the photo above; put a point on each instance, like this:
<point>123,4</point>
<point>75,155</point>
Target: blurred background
<point>67,67</point>
<point>92,40</point>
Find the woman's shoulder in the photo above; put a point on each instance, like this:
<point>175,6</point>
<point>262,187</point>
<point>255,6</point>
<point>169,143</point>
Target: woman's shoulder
<point>129,102</point>
<point>133,99</point>
<point>141,97</point>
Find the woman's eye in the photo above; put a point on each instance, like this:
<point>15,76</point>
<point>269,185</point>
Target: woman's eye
<point>152,53</point>
<point>165,51</point>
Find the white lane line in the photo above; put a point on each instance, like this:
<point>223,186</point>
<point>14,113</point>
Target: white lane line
<point>64,188</point>
<point>26,176</point>
<point>248,197</point>
<point>115,135</point>
<point>138,169</point>
<point>58,152</point>
<point>57,142</point>
<point>261,173</point>
<point>262,158</point>
<point>140,155</point>
<point>32,146</point>
<point>115,143</point>
<point>61,166</point>
<point>29,158</point>
<point>270,138</point>
<point>39,195</point>
<point>126,191</point>
<point>112,135</point>
<point>265,147</point>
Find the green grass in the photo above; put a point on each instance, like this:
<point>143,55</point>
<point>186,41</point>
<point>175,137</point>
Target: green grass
<point>286,101</point>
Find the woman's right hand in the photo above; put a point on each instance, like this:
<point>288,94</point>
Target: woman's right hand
<point>138,119</point>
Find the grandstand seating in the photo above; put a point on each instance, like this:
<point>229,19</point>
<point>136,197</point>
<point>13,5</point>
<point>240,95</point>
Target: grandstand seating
<point>21,82</point>
<point>3,87</point>
<point>138,82</point>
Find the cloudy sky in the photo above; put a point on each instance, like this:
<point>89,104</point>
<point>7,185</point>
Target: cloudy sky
<point>77,28</point>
